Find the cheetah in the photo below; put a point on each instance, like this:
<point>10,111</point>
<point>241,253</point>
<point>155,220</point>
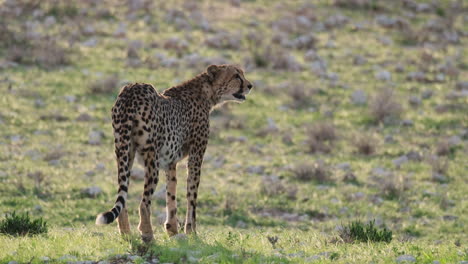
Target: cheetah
<point>162,129</point>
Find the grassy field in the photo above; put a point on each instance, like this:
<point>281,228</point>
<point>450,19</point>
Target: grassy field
<point>358,113</point>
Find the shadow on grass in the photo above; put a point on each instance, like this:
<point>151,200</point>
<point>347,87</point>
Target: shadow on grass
<point>233,248</point>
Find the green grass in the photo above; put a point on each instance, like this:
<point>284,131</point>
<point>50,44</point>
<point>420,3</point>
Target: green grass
<point>46,161</point>
<point>22,225</point>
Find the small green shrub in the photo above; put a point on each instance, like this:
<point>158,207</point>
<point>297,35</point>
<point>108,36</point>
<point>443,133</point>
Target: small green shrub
<point>360,232</point>
<point>21,225</point>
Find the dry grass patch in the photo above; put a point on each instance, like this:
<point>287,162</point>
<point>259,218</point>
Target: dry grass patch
<point>321,137</point>
<point>365,144</point>
<point>105,85</point>
<point>318,172</point>
<point>384,106</point>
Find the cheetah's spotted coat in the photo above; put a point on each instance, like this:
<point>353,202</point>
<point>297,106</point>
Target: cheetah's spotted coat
<point>163,128</point>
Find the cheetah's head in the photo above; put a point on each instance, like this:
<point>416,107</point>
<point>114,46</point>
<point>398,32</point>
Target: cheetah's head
<point>229,83</point>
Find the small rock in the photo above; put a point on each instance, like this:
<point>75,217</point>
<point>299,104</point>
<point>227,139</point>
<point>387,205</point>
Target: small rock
<point>95,137</point>
<point>45,259</point>
<point>255,169</point>
<point>439,177</point>
<point>345,166</point>
<point>100,167</point>
<point>405,259</point>
<point>440,77</point>
<point>84,117</point>
<point>133,258</point>
<point>389,139</point>
<point>12,262</point>
<point>400,161</point>
<point>161,193</point>
<point>416,76</point>
<point>383,75</point>
<point>450,217</point>
<point>192,259</point>
<point>463,85</point>
<point>90,173</point>
<point>414,156</point>
<point>15,138</point>
<point>92,42</point>
<point>426,94</point>
<point>414,101</point>
<point>70,98</point>
<point>311,55</point>
<point>359,97</point>
<point>454,141</point>
<point>39,103</point>
<point>359,60</point>
<point>435,262</point>
<point>155,261</point>
<point>407,122</point>
<point>137,174</point>
<point>241,224</point>
<point>92,192</point>
<point>180,236</point>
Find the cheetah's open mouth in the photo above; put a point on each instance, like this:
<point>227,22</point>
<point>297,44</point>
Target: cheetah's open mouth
<point>239,96</point>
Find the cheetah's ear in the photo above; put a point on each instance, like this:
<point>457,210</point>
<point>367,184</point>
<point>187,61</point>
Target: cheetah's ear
<point>212,71</point>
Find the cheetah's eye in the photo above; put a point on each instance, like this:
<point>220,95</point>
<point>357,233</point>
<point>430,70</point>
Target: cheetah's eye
<point>238,77</point>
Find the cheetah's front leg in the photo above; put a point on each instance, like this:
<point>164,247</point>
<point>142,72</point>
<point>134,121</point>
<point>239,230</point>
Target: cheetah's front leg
<point>193,180</point>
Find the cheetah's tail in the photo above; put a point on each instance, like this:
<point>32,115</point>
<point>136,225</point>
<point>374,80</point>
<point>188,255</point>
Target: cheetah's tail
<point>125,154</point>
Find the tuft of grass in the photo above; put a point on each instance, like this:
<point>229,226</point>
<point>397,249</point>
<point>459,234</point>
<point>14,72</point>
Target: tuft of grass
<point>385,107</point>
<point>365,144</point>
<point>318,172</point>
<point>21,225</point>
<point>106,85</point>
<point>357,231</point>
<point>321,137</point>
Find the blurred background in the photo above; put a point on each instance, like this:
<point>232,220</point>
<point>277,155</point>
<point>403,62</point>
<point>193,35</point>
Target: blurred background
<point>359,109</point>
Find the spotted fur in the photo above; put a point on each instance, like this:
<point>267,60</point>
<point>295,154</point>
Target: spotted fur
<point>163,128</point>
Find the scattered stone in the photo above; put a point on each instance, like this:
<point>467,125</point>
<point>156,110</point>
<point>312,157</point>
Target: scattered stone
<point>95,137</point>
<point>241,224</point>
<point>161,193</point>
<point>383,75</point>
<point>12,262</point>
<point>100,167</point>
<point>439,177</point>
<point>345,166</point>
<point>400,161</point>
<point>454,141</point>
<point>180,236</point>
<point>92,42</point>
<point>133,258</point>
<point>414,156</point>
<point>359,60</point>
<point>90,173</point>
<point>414,101</point>
<point>405,259</point>
<point>349,177</point>
<point>462,85</point>
<point>84,117</point>
<point>426,94</point>
<point>407,122</point>
<point>39,103</point>
<point>311,55</point>
<point>359,97</point>
<point>45,259</point>
<point>137,174</point>
<point>70,98</point>
<point>440,77</point>
<point>450,217</point>
<point>92,192</point>
<point>255,169</point>
<point>417,77</point>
